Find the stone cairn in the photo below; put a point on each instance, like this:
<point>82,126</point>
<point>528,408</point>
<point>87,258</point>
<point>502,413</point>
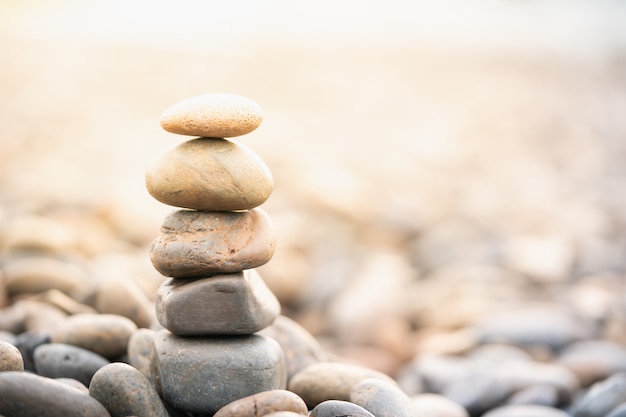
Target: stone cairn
<point>214,301</point>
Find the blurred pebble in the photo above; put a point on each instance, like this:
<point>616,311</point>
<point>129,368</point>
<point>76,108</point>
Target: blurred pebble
<point>301,349</point>
<point>602,397</point>
<point>58,360</point>
<point>7,337</point>
<point>286,414</point>
<point>546,259</point>
<point>74,384</point>
<point>140,348</point>
<point>124,391</point>
<point>26,394</point>
<point>478,392</point>
<point>42,316</point>
<point>34,231</point>
<point>64,303</point>
<point>27,342</point>
<point>287,275</point>
<point>381,398</point>
<point>10,358</point>
<point>525,411</point>
<point>593,360</point>
<point>619,411</point>
<point>435,405</point>
<point>338,408</point>
<point>104,334</point>
<point>330,380</point>
<point>4,294</point>
<point>264,403</point>
<point>542,394</point>
<point>124,298</point>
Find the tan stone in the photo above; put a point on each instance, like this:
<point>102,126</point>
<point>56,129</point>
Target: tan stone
<point>195,243</point>
<point>213,116</point>
<point>210,174</point>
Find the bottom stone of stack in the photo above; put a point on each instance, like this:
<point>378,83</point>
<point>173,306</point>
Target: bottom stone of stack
<point>202,374</point>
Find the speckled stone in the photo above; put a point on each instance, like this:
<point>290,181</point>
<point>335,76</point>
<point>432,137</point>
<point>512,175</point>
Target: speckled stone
<point>196,244</point>
<point>213,116</point>
<point>59,360</point>
<point>330,381</point>
<point>339,408</point>
<point>382,399</point>
<point>124,391</point>
<point>227,304</point>
<point>10,358</point>
<point>104,334</point>
<point>26,394</point>
<point>264,403</point>
<point>210,174</point>
<point>203,374</point>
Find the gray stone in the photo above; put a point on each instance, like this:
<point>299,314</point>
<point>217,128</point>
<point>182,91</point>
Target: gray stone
<point>10,358</point>
<point>27,342</point>
<point>124,298</point>
<point>74,384</point>
<point>593,360</point>
<point>435,405</point>
<point>339,408</point>
<point>59,360</point>
<point>382,398</point>
<point>619,411</point>
<point>124,391</point>
<point>525,411</point>
<point>602,397</point>
<point>140,348</point>
<point>199,243</point>
<point>543,394</point>
<point>26,394</point>
<point>478,392</point>
<point>229,304</point>
<point>264,403</point>
<point>203,374</point>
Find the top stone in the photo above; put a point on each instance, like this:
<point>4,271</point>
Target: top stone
<point>213,116</point>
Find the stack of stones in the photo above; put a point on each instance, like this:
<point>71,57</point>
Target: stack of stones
<point>214,302</point>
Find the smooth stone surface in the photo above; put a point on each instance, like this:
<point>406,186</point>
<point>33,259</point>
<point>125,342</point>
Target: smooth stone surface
<point>602,397</point>
<point>71,382</point>
<point>10,358</point>
<point>435,405</point>
<point>619,411</point>
<point>478,392</point>
<point>382,398</point>
<point>27,342</point>
<point>213,116</point>
<point>300,347</point>
<point>525,411</point>
<point>124,391</point>
<point>264,403</point>
<point>140,349</point>
<point>124,298</point>
<point>104,334</point>
<point>330,381</point>
<point>63,302</point>
<point>210,174</point>
<point>228,304</point>
<point>59,360</point>
<point>287,414</point>
<point>26,394</point>
<point>197,244</point>
<point>339,408</point>
<point>593,360</point>
<point>543,394</point>
<point>203,374</point>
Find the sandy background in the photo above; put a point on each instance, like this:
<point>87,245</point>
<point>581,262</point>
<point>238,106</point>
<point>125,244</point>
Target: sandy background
<point>404,137</point>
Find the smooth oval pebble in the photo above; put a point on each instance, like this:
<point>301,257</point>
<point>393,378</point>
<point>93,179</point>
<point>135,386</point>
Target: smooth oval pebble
<point>104,334</point>
<point>330,381</point>
<point>26,394</point>
<point>525,410</point>
<point>239,303</point>
<point>199,244</point>
<point>436,405</point>
<point>339,408</point>
<point>140,350</point>
<point>213,115</point>
<point>10,357</point>
<point>124,391</point>
<point>264,403</point>
<point>59,360</point>
<point>210,174</point>
<point>124,298</point>
<point>382,398</point>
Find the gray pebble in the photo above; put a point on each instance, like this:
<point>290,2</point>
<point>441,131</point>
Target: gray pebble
<point>264,403</point>
<point>26,394</point>
<point>525,410</point>
<point>59,360</point>
<point>339,408</point>
<point>478,392</point>
<point>124,391</point>
<point>27,342</point>
<point>543,394</point>
<point>140,348</point>
<point>382,398</point>
<point>10,358</point>
<point>593,360</point>
<point>74,384</point>
<point>602,397</point>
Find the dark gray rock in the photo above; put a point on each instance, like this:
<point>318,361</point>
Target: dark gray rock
<point>58,360</point>
<point>27,342</point>
<point>382,398</point>
<point>339,408</point>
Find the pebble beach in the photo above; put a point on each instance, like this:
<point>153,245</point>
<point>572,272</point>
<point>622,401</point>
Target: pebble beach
<point>432,226</point>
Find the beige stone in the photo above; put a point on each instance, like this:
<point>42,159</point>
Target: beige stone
<point>213,115</point>
<point>195,243</point>
<point>210,174</point>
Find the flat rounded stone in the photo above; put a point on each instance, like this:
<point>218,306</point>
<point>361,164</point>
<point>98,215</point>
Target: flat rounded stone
<point>213,116</point>
<point>10,358</point>
<point>198,244</point>
<point>264,403</point>
<point>231,304</point>
<point>58,360</point>
<point>124,391</point>
<point>330,381</point>
<point>339,408</point>
<point>382,398</point>
<point>203,374</point>
<point>140,350</point>
<point>104,334</point>
<point>210,174</point>
<point>26,394</point>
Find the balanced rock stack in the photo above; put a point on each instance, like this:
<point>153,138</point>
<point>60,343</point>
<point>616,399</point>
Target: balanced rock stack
<point>208,355</point>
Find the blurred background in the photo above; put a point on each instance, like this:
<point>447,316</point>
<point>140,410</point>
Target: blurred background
<point>435,163</point>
